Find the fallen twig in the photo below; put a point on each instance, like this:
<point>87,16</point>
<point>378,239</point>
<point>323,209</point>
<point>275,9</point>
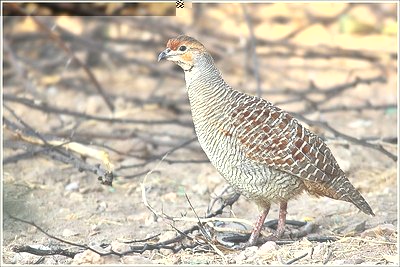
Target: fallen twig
<point>56,152</point>
<point>45,252</point>
<point>296,259</point>
<point>205,234</point>
<point>84,246</point>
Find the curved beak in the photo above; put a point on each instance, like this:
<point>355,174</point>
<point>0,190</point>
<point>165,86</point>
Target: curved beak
<point>163,54</point>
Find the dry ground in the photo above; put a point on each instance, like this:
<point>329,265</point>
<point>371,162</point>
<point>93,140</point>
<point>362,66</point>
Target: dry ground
<point>73,205</point>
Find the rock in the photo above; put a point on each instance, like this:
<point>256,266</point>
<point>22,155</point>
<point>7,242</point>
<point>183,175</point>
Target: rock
<point>84,190</point>
<point>267,248</point>
<point>119,247</point>
<point>74,186</point>
<point>246,254</point>
<point>95,227</point>
<point>88,257</point>
<point>380,230</point>
<point>354,261</point>
<point>240,258</point>
<point>136,259</point>
<point>68,233</point>
<point>166,252</point>
<point>167,235</point>
<point>32,229</point>
<point>102,206</point>
<point>112,259</point>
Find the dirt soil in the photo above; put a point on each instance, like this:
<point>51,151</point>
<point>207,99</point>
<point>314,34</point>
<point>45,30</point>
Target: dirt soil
<point>74,206</point>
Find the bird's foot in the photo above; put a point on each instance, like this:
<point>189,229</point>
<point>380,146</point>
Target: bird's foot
<point>260,241</point>
<point>296,229</point>
<point>254,242</point>
<point>299,229</point>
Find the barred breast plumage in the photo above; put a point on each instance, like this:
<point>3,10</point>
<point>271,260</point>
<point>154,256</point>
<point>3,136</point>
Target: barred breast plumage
<point>261,150</point>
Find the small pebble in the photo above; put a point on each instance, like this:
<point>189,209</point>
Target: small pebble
<point>88,257</point>
<point>68,233</point>
<point>267,248</point>
<point>380,230</point>
<point>119,247</point>
<point>102,206</point>
<point>136,259</point>
<point>74,186</point>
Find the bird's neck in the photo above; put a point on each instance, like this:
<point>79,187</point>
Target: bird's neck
<point>203,68</point>
<point>204,84</point>
<point>208,92</point>
<point>204,81</point>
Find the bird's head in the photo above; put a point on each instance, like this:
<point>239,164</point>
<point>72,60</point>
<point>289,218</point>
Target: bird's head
<point>183,51</point>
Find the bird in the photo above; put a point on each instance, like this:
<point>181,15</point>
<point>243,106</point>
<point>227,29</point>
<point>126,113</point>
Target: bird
<point>262,151</point>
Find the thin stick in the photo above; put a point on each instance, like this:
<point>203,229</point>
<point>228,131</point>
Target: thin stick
<point>204,232</point>
<point>296,259</point>
<point>57,238</point>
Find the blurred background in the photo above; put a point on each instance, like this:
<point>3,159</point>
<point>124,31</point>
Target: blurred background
<point>84,96</point>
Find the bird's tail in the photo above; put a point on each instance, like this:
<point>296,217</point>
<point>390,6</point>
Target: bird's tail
<point>339,188</point>
<point>358,200</point>
<point>349,193</point>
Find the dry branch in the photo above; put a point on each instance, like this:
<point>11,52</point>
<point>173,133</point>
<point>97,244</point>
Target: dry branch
<point>51,109</point>
<point>51,147</point>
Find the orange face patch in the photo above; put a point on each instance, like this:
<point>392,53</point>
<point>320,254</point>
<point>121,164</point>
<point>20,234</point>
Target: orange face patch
<point>187,57</point>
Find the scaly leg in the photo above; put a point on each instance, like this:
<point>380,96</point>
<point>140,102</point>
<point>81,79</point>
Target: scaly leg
<point>282,220</point>
<point>257,228</point>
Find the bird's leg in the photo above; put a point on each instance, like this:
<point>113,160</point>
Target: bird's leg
<point>257,228</point>
<point>282,219</point>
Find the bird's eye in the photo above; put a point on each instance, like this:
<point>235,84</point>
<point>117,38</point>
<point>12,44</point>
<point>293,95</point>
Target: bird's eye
<point>182,48</point>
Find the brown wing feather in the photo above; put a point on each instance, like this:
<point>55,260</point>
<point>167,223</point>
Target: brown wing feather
<point>271,136</point>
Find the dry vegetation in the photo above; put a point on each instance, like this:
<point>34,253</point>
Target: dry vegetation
<point>84,96</point>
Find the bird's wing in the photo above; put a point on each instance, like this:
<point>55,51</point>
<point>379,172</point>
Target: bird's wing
<point>273,137</point>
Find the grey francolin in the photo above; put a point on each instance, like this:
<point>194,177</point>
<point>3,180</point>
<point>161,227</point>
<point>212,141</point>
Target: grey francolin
<point>262,151</point>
